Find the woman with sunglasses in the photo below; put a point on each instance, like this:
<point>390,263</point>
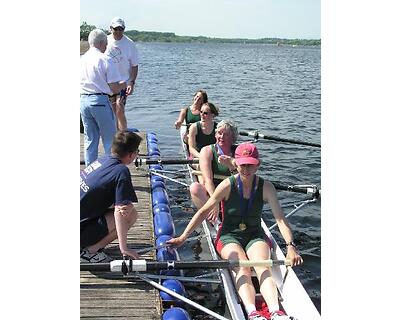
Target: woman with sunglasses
<point>202,133</point>
<point>191,114</point>
<point>241,236</point>
<point>215,160</point>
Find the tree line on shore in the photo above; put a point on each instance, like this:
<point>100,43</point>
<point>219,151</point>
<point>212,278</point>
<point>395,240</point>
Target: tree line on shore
<point>152,36</point>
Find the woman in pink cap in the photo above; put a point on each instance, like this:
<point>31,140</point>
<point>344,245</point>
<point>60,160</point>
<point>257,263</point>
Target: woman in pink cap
<point>241,236</point>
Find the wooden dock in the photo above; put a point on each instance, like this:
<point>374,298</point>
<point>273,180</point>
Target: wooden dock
<point>106,296</point>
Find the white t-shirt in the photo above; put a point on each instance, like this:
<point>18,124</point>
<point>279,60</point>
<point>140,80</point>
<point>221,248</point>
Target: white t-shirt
<point>97,71</point>
<point>124,53</point>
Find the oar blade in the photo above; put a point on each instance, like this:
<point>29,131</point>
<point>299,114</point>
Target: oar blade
<point>257,136</point>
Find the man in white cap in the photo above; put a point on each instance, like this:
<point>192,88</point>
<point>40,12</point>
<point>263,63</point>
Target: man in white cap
<point>123,52</point>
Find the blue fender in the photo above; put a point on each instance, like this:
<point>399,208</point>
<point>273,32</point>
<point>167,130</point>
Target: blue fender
<point>156,166</point>
<point>156,178</point>
<point>161,240</point>
<point>169,254</point>
<point>157,184</point>
<point>165,254</point>
<point>176,313</point>
<point>154,153</point>
<point>159,195</point>
<point>175,286</point>
<point>161,207</point>
<point>151,135</point>
<point>163,224</point>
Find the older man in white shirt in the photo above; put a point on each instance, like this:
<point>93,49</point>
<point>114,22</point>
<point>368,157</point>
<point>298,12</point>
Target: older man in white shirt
<point>100,78</point>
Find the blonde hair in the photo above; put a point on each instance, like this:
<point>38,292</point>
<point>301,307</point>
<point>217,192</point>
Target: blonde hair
<point>230,126</point>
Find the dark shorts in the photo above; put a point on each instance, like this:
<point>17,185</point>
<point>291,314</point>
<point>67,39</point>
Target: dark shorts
<point>113,97</point>
<point>244,241</point>
<point>93,231</point>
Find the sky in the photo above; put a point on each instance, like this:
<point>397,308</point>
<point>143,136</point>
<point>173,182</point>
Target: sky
<point>251,19</point>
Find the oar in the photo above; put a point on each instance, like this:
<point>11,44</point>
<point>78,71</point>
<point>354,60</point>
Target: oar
<point>168,178</point>
<point>180,297</point>
<point>144,265</point>
<point>308,189</point>
<point>143,161</point>
<point>257,135</point>
<point>182,279</point>
<point>297,208</point>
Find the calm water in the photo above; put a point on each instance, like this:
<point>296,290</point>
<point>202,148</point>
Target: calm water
<point>275,90</point>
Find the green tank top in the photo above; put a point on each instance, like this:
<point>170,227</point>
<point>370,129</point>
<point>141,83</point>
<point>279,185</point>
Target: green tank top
<point>202,139</point>
<point>218,168</point>
<point>232,215</point>
<point>190,117</point>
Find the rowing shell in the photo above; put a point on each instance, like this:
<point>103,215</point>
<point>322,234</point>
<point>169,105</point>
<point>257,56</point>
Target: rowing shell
<point>293,297</point>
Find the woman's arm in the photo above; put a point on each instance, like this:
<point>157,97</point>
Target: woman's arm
<point>221,192</point>
<point>270,196</point>
<point>181,117</point>
<point>205,163</point>
<point>192,141</point>
<point>205,160</point>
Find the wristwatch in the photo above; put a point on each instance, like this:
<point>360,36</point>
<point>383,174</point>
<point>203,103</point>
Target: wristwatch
<point>291,243</point>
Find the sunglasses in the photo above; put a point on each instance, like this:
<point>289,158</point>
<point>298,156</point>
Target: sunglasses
<point>204,112</point>
<point>118,29</point>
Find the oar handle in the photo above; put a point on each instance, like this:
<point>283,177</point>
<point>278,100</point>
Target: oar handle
<point>263,263</point>
<point>257,135</point>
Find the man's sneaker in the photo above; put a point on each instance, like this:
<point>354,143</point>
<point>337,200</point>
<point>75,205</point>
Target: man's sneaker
<point>96,257</point>
<point>280,315</point>
<point>255,315</point>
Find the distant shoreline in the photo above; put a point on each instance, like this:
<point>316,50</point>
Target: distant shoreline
<point>149,36</point>
<point>84,45</point>
<point>153,36</point>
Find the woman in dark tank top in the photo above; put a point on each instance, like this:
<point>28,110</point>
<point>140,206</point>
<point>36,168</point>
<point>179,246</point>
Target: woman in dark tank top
<point>203,133</point>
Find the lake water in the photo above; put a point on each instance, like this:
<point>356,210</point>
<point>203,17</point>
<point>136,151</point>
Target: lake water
<point>275,90</point>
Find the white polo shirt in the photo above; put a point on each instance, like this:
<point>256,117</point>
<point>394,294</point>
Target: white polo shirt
<point>97,71</point>
<point>124,53</point>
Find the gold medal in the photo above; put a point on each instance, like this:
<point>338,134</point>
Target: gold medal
<point>242,226</point>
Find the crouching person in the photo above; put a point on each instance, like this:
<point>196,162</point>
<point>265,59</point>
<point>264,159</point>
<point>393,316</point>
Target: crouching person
<point>107,197</point>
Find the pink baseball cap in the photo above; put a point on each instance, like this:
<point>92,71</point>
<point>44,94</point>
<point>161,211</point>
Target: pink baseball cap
<point>246,153</point>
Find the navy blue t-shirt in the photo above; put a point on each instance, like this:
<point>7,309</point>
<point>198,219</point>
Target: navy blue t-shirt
<point>105,182</point>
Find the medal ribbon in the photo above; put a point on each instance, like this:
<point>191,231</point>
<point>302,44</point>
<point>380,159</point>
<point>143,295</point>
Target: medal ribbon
<point>220,152</point>
<point>244,211</point>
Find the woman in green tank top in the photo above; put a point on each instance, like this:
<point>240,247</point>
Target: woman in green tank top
<point>241,235</point>
<point>215,159</point>
<point>191,114</point>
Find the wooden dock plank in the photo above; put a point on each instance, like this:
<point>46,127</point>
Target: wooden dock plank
<point>109,296</point>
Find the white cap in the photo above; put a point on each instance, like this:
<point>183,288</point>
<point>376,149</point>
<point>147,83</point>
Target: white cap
<point>117,22</point>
